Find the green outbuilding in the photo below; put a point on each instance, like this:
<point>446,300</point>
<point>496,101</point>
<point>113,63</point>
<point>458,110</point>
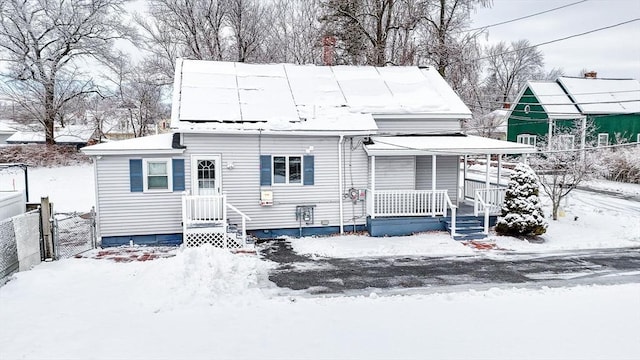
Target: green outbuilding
<point>543,107</point>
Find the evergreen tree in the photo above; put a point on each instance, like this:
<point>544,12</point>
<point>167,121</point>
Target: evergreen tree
<point>522,211</point>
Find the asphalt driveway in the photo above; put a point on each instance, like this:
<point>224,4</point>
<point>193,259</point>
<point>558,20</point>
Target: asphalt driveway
<point>317,275</point>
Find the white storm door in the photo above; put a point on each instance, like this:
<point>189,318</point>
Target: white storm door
<point>206,174</point>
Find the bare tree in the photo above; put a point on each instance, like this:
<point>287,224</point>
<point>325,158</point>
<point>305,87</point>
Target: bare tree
<point>42,42</point>
<point>249,21</point>
<point>371,31</point>
<point>296,33</point>
<point>137,94</point>
<point>443,40</point>
<point>510,66</point>
<point>561,167</point>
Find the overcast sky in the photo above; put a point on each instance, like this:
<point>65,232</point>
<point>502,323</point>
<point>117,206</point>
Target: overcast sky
<point>613,53</point>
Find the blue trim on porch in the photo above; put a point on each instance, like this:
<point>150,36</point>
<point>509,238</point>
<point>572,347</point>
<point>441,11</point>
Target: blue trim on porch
<point>158,239</point>
<point>306,231</point>
<point>402,226</point>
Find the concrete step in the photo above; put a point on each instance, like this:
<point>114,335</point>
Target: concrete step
<point>473,236</point>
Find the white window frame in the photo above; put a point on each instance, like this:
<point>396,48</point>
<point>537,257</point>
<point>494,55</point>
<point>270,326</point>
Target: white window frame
<point>603,135</point>
<point>145,174</point>
<point>567,142</point>
<point>528,139</point>
<point>287,175</point>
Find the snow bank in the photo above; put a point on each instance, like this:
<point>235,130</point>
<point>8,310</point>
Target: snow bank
<point>206,303</point>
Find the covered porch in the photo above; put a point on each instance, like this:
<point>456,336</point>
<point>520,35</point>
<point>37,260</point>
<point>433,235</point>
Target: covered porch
<point>416,184</point>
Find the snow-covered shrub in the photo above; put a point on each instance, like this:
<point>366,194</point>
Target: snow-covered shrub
<point>522,211</point>
<point>622,164</point>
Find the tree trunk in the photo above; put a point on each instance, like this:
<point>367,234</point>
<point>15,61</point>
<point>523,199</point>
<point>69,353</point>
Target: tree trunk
<point>49,113</point>
<point>555,206</point>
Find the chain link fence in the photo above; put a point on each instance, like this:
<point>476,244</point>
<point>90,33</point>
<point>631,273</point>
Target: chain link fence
<point>73,233</point>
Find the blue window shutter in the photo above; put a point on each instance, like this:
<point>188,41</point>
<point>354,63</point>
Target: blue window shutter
<point>135,175</point>
<point>265,170</point>
<point>178,174</point>
<point>308,169</point>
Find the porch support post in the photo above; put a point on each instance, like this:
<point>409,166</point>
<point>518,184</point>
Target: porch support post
<point>464,178</point>
<point>549,134</point>
<point>488,167</point>
<point>373,186</point>
<point>583,137</point>
<point>499,168</point>
<point>340,185</point>
<point>433,185</point>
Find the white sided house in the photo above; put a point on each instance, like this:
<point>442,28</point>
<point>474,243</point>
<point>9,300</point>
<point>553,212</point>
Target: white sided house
<point>272,150</point>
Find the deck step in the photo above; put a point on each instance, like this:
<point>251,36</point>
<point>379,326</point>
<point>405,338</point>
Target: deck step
<point>469,228</point>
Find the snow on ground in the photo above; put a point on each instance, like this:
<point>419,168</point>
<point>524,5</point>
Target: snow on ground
<point>205,303</point>
<point>349,246</point>
<point>69,188</point>
<point>613,186</point>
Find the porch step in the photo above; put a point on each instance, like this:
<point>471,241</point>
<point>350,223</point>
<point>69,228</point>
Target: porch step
<point>467,228</point>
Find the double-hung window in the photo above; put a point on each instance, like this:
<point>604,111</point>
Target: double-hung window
<point>566,142</point>
<point>526,139</point>
<point>287,170</point>
<point>157,174</point>
<point>603,139</point>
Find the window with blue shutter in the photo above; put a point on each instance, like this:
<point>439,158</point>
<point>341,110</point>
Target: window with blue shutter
<point>135,175</point>
<point>309,168</point>
<point>178,174</point>
<point>265,170</point>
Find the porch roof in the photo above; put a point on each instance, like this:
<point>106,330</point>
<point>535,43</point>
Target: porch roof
<point>454,144</point>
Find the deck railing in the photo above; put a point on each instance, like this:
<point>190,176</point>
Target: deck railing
<point>204,209</point>
<point>488,201</point>
<point>204,220</point>
<point>408,203</point>
<point>411,203</point>
<point>471,185</point>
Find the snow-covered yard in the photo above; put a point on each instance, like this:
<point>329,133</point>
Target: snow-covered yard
<point>205,303</point>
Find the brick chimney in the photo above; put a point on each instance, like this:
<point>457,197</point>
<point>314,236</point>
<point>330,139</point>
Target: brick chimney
<point>328,43</point>
<point>590,75</point>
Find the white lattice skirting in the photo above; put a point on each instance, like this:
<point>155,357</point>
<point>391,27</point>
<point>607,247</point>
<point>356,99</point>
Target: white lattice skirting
<point>217,239</point>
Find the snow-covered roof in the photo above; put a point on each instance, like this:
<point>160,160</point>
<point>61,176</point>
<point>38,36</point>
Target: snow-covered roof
<point>70,134</point>
<point>603,96</point>
<point>8,127</point>
<point>553,99</point>
<point>305,97</point>
<point>154,144</point>
<point>443,145</point>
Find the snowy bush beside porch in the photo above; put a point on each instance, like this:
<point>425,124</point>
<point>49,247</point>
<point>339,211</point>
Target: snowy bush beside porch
<point>522,210</point>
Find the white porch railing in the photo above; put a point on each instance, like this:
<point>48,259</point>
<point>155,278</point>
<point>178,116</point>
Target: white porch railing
<point>488,201</point>
<point>204,220</point>
<point>408,203</point>
<point>411,203</point>
<point>471,185</point>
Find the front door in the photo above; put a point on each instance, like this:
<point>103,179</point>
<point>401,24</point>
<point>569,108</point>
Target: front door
<point>206,175</point>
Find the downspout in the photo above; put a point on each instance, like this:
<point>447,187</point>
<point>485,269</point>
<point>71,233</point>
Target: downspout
<point>340,184</point>
<point>96,219</point>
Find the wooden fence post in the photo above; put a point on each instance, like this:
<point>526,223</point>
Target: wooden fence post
<point>47,236</point>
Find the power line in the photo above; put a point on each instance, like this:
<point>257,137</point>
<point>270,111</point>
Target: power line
<point>525,17</point>
<point>558,40</point>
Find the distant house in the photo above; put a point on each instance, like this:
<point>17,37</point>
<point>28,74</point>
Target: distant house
<point>7,128</point>
<point>76,135</point>
<point>543,107</point>
<point>282,149</point>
